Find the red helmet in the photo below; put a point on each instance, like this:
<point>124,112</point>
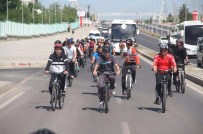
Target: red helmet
<point>57,46</point>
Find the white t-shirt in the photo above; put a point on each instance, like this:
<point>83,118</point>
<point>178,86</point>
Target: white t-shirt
<point>70,51</point>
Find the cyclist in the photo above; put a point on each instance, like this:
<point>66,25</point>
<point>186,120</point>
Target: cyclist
<point>107,42</point>
<point>58,63</point>
<point>180,55</point>
<point>58,42</point>
<point>91,46</point>
<point>105,63</point>
<point>99,44</point>
<point>131,59</point>
<point>80,52</point>
<point>71,53</point>
<point>163,62</point>
<point>95,57</point>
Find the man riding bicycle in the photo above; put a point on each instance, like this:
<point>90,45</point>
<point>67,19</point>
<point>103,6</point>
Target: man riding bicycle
<point>106,63</point>
<point>163,63</point>
<point>57,63</point>
<point>180,55</point>
<point>131,59</point>
<point>71,53</point>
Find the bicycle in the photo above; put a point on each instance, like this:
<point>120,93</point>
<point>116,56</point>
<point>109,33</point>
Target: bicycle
<point>180,80</point>
<point>69,80</point>
<point>164,88</point>
<point>57,92</point>
<point>106,91</point>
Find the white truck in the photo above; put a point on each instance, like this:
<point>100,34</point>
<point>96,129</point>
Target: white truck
<point>123,30</point>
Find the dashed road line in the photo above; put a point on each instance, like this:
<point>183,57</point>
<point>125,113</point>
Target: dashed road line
<point>11,100</point>
<point>125,128</point>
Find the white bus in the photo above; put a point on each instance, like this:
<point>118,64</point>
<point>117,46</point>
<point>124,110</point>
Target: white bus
<point>123,30</point>
<point>190,31</point>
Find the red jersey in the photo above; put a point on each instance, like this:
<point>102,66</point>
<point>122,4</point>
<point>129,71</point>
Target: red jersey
<point>164,63</point>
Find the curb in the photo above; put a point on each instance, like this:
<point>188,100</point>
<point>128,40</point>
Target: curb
<point>188,76</point>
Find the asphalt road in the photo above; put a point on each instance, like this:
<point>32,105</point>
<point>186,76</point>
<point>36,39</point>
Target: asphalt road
<point>152,43</point>
<point>28,109</point>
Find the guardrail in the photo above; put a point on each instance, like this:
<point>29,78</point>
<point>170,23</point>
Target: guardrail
<point>13,29</point>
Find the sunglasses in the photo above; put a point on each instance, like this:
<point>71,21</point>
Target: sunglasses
<point>163,50</point>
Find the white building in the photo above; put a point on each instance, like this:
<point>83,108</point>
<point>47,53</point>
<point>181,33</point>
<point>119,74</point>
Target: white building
<point>26,1</point>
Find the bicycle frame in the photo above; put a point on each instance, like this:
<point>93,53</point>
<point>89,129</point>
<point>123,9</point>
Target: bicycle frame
<point>180,79</point>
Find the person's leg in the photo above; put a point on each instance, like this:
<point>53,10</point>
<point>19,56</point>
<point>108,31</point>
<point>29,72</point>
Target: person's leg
<point>63,83</point>
<point>158,88</point>
<point>123,79</point>
<point>53,77</point>
<point>133,74</point>
<point>101,87</point>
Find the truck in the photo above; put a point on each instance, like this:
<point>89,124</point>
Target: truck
<point>123,30</point>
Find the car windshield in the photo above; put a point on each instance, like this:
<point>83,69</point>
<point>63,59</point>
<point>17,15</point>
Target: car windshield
<point>192,33</point>
<point>174,36</point>
<point>164,38</point>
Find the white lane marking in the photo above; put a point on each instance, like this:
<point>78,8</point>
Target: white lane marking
<point>125,128</point>
<point>197,90</point>
<point>4,94</point>
<point>27,78</point>
<point>118,100</point>
<point>11,100</point>
<point>189,85</point>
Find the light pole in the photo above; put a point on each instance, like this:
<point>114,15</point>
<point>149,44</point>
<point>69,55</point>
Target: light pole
<point>22,12</point>
<point>33,13</point>
<point>7,9</point>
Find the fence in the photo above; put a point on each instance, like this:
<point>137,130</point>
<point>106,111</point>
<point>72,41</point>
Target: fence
<point>14,29</point>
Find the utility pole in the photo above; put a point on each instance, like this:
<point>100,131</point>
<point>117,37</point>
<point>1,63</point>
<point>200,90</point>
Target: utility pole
<point>7,9</point>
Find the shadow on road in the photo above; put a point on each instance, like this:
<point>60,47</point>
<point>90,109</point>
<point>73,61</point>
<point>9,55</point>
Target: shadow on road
<point>93,109</point>
<point>121,97</point>
<point>48,108</point>
<point>45,91</point>
<point>96,94</point>
<point>159,110</point>
<point>43,131</point>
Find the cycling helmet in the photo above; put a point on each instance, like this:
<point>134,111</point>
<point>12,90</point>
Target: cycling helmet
<point>57,42</point>
<point>57,46</point>
<point>106,49</point>
<point>163,46</point>
<point>69,41</point>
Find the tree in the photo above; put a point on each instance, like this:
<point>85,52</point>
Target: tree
<point>184,14</point>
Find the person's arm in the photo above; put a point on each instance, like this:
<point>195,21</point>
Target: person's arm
<point>117,69</point>
<point>154,65</point>
<point>66,65</point>
<point>74,54</point>
<point>48,64</point>
<point>173,64</point>
<point>93,59</point>
<point>95,69</point>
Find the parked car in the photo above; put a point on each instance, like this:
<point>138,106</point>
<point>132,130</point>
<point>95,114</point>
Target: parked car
<point>163,40</point>
<point>199,51</point>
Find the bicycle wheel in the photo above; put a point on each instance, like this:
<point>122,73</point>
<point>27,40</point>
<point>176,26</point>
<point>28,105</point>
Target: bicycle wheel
<point>178,86</point>
<point>76,71</point>
<point>106,99</point>
<point>54,98</point>
<point>70,81</point>
<point>61,99</point>
<point>163,97</point>
<point>182,83</point>
<point>129,85</point>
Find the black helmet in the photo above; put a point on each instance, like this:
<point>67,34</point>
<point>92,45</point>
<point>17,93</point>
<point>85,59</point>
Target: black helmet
<point>106,49</point>
<point>129,42</point>
<point>57,42</point>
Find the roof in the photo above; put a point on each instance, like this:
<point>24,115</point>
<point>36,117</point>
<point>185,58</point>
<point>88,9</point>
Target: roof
<point>187,23</point>
<point>123,22</point>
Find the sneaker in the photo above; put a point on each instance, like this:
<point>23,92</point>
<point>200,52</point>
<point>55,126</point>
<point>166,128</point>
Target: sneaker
<point>112,91</point>
<point>63,93</point>
<point>134,82</point>
<point>101,104</point>
<point>71,76</point>
<point>170,94</point>
<point>157,101</point>
<point>124,92</point>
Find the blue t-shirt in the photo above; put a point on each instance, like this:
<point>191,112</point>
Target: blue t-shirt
<point>96,55</point>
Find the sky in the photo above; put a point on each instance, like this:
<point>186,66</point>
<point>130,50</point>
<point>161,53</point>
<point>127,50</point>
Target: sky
<point>145,8</point>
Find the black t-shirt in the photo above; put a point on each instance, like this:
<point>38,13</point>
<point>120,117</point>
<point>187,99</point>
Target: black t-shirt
<point>106,64</point>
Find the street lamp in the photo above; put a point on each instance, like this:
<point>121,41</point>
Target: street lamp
<point>7,9</point>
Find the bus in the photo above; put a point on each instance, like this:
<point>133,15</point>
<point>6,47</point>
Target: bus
<point>123,30</point>
<point>190,31</point>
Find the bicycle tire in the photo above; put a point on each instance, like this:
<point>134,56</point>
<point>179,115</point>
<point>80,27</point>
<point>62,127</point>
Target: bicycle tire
<point>106,99</point>
<point>182,83</point>
<point>129,86</point>
<point>60,99</point>
<point>54,98</point>
<point>163,97</point>
<point>75,71</point>
<point>70,81</point>
<point>177,86</point>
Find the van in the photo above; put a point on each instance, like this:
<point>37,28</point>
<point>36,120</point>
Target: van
<point>199,51</point>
